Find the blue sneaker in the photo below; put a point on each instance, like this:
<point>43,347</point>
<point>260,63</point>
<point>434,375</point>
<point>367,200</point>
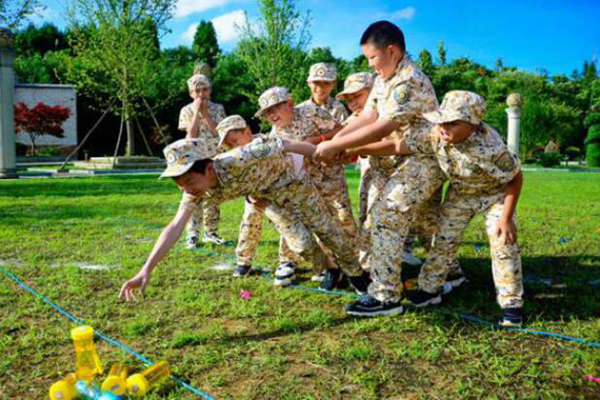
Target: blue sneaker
<point>368,306</point>
<point>511,318</point>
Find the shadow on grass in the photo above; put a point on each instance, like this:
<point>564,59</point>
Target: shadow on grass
<point>556,288</point>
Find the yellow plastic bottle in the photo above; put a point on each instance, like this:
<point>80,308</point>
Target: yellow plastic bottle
<point>88,362</point>
<point>116,382</point>
<point>64,389</point>
<point>139,384</point>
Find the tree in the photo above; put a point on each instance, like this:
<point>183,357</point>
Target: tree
<point>13,12</point>
<point>273,48</point>
<point>442,53</point>
<point>40,120</point>
<point>205,45</point>
<point>425,62</point>
<point>592,122</point>
<point>116,44</point>
<point>34,40</point>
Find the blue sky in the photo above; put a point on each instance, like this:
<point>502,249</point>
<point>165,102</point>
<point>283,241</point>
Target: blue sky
<point>556,35</point>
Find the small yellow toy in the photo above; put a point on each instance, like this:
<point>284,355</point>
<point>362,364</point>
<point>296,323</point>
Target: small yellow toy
<point>64,389</point>
<point>139,384</point>
<point>116,382</point>
<point>88,362</point>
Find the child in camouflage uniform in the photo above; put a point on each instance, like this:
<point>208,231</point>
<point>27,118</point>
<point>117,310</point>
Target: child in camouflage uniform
<point>399,185</point>
<point>199,120</point>
<point>260,169</point>
<point>312,124</point>
<point>485,178</point>
<point>233,133</point>
<point>322,79</point>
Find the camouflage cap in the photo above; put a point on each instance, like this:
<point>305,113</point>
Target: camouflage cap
<point>322,72</point>
<point>270,97</point>
<point>180,156</point>
<point>356,82</point>
<point>198,81</point>
<point>229,124</point>
<point>458,105</point>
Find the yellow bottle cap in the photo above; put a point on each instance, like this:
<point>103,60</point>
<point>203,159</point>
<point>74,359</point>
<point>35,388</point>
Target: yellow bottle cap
<point>137,385</point>
<point>61,390</point>
<point>115,385</point>
<point>83,332</point>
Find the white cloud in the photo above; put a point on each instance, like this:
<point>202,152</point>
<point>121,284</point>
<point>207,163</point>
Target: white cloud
<point>225,25</point>
<point>188,35</point>
<point>187,7</point>
<point>406,13</point>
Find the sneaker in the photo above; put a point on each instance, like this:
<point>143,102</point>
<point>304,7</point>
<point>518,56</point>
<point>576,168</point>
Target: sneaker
<point>192,242</point>
<point>212,238</point>
<point>242,270</point>
<point>368,306</point>
<point>360,283</point>
<point>511,318</point>
<point>330,279</point>
<point>421,298</point>
<point>410,259</point>
<point>284,275</point>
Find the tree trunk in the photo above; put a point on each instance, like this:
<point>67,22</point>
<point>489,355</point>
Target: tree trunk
<point>32,137</point>
<point>130,149</point>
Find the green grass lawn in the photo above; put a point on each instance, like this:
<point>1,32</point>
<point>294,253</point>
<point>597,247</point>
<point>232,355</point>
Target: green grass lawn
<point>289,343</point>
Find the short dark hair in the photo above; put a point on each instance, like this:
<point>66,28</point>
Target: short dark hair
<point>198,166</point>
<point>383,33</point>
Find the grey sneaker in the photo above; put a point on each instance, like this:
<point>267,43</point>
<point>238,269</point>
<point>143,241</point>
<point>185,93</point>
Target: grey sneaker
<point>284,275</point>
<point>212,238</point>
<point>368,306</point>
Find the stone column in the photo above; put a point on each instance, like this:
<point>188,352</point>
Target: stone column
<point>8,166</point>
<point>514,102</point>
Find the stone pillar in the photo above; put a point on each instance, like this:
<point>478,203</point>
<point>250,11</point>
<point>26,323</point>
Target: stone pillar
<point>8,166</point>
<point>514,102</point>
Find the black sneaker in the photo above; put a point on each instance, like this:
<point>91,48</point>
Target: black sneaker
<point>242,270</point>
<point>368,306</point>
<point>330,279</point>
<point>511,318</point>
<point>284,274</point>
<point>360,283</point>
<point>421,298</point>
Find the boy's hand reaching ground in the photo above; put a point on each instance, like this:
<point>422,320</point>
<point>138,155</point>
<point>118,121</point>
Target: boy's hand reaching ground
<point>140,281</point>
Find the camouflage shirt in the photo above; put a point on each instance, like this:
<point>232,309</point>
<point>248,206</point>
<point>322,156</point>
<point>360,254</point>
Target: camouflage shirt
<point>311,122</point>
<point>402,98</point>
<point>217,114</point>
<point>260,169</point>
<point>481,164</point>
<point>332,106</point>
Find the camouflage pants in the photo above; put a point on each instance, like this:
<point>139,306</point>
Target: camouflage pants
<point>301,199</point>
<point>366,175</point>
<point>393,204</point>
<point>206,213</point>
<point>456,213</point>
<point>300,244</point>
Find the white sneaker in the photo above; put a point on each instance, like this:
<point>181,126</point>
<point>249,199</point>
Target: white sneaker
<point>192,242</point>
<point>212,238</point>
<point>408,258</point>
<point>284,275</point>
<point>318,278</point>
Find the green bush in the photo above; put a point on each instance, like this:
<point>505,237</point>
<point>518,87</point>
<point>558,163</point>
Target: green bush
<point>592,155</point>
<point>49,151</point>
<point>549,159</point>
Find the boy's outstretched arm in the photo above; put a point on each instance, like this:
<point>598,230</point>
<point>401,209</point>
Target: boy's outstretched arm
<point>506,228</point>
<point>294,146</point>
<point>366,117</point>
<point>163,244</point>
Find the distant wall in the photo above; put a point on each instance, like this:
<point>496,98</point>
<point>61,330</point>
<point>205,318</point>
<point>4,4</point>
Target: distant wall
<point>52,95</point>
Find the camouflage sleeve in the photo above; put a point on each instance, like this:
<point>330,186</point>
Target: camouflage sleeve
<point>185,118</point>
<point>340,114</point>
<point>403,102</point>
<point>421,140</point>
<point>189,202</point>
<point>503,166</point>
<point>245,156</point>
<point>323,120</point>
<point>371,101</point>
<point>220,114</point>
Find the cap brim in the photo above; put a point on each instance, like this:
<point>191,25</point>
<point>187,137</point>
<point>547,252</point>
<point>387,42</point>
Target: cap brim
<point>260,112</point>
<point>440,117</point>
<point>320,79</point>
<point>170,172</point>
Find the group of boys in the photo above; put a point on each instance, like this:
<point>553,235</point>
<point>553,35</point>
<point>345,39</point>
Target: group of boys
<point>295,176</point>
